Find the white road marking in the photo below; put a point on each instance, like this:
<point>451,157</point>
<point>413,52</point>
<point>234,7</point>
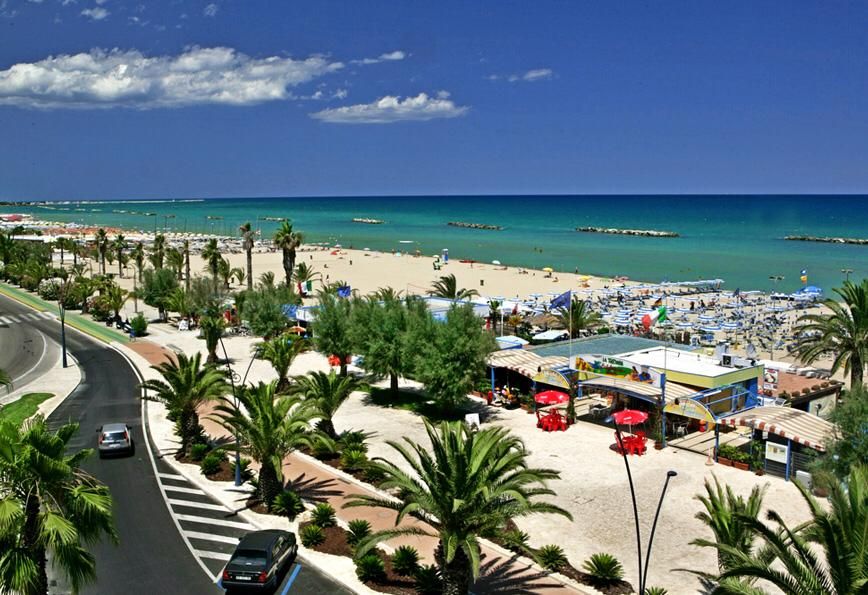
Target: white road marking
<point>13,318</point>
<point>172,476</point>
<point>183,490</point>
<point>211,537</point>
<point>46,315</point>
<point>5,319</point>
<point>206,521</point>
<point>215,555</point>
<point>202,505</point>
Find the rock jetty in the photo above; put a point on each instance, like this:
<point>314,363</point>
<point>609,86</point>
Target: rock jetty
<point>648,233</point>
<point>475,225</point>
<point>368,221</point>
<point>858,241</point>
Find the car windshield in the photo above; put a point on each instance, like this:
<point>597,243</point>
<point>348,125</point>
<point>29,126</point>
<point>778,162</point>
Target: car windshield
<point>114,436</point>
<point>249,558</point>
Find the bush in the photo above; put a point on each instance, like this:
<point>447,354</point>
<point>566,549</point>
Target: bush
<point>370,568</point>
<point>605,569</point>
<point>515,540</point>
<point>551,557</point>
<point>655,591</point>
<point>139,325</point>
<point>49,289</point>
<point>211,463</point>
<point>374,475</point>
<point>287,504</point>
<point>358,529</point>
<point>352,439</point>
<point>428,580</point>
<point>246,473</point>
<point>198,451</point>
<point>98,308</point>
<point>324,515</point>
<point>353,459</point>
<point>312,535</point>
<point>405,560</point>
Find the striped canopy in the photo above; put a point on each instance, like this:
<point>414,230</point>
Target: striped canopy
<point>794,424</point>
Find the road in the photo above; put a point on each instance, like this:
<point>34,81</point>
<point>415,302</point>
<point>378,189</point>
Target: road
<point>26,352</point>
<point>152,556</point>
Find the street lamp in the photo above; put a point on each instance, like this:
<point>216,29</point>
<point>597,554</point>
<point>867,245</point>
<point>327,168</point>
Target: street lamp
<point>61,309</point>
<point>847,272</point>
<point>238,481</point>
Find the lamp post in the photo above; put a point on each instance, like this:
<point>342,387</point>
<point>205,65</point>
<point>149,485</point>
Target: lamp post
<point>846,272</point>
<point>61,309</point>
<point>238,481</point>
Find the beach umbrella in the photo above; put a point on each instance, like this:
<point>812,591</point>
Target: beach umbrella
<point>548,269</point>
<point>551,397</point>
<point>495,262</point>
<point>630,417</point>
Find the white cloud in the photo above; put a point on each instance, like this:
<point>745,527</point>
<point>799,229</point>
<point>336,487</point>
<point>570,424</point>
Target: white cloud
<point>387,57</point>
<point>97,13</point>
<point>211,10</point>
<point>390,109</point>
<point>100,2</point>
<point>36,1</point>
<point>340,94</point>
<point>537,74</point>
<point>218,75</point>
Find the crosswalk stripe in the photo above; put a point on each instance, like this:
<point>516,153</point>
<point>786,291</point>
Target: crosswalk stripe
<point>46,315</point>
<point>5,319</point>
<point>230,524</point>
<point>13,318</point>
<point>215,555</point>
<point>172,476</point>
<point>202,505</point>
<point>183,490</point>
<point>211,537</point>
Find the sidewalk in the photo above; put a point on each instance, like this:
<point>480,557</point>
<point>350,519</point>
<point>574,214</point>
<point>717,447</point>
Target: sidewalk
<point>501,571</point>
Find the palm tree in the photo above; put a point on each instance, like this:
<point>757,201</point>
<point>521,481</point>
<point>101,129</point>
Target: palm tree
<point>50,506</point>
<point>212,258</point>
<point>101,248</point>
<point>304,273</point>
<point>266,280</point>
<point>60,244</point>
<point>138,255</point>
<point>238,274</point>
<point>838,532</point>
<point>225,272</point>
<point>387,294</point>
<point>269,426</point>
<point>280,352</point>
<point>7,247</point>
<point>115,298</point>
<point>119,245</point>
<point>288,240</point>
<point>447,287</point>
<point>186,385</point>
<point>158,251</point>
<point>327,392</point>
<point>723,515</point>
<point>248,235</point>
<point>494,313</point>
<point>471,482</point>
<point>842,334</point>
<point>187,265</point>
<point>581,317</point>
<point>181,302</point>
<point>175,261</point>
<point>212,325</point>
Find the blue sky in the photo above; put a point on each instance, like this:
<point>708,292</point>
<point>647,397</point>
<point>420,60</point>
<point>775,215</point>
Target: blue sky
<point>182,98</point>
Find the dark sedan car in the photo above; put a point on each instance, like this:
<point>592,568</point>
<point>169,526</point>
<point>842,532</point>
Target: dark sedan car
<point>259,560</point>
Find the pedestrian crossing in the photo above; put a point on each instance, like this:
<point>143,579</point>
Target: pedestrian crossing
<point>210,529</point>
<point>28,317</point>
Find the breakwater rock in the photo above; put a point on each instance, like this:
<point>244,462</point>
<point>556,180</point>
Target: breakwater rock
<point>859,241</point>
<point>475,225</point>
<point>368,221</point>
<point>649,233</point>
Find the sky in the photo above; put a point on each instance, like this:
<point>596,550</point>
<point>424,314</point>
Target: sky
<point>103,99</point>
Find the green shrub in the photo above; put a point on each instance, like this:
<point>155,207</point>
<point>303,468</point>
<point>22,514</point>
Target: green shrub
<point>358,529</point>
<point>211,463</point>
<point>198,451</point>
<point>98,309</point>
<point>288,504</point>
<point>605,569</point>
<point>373,475</point>
<point>405,560</point>
<point>428,580</point>
<point>312,535</point>
<point>49,289</point>
<point>370,568</point>
<point>324,515</point>
<point>655,591</point>
<point>551,557</point>
<point>515,540</point>
<point>352,439</point>
<point>139,325</point>
<point>353,459</point>
<point>324,449</point>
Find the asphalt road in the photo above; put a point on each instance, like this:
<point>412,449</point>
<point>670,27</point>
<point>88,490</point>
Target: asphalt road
<point>25,352</point>
<point>151,557</point>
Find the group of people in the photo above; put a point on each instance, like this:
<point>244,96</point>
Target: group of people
<point>503,396</point>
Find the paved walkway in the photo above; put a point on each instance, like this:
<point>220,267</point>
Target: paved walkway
<point>501,570</point>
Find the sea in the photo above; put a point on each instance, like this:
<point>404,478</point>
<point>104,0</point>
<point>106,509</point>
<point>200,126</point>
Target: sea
<point>735,238</point>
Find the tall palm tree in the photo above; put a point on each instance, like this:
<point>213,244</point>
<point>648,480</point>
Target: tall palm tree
<point>181,302</point>
<point>288,240</point>
<point>843,334</point>
<point>580,319</point>
<point>327,392</point>
<point>138,255</point>
<point>723,515</point>
<point>175,261</point>
<point>50,506</point>
<point>212,325</point>
<point>826,556</point>
<point>186,385</point>
<point>269,426</point>
<point>60,244</point>
<point>494,313</point>
<point>225,272</point>
<point>115,298</point>
<point>119,244</point>
<point>280,352</point>
<point>248,236</point>
<point>101,248</point>
<point>238,274</point>
<point>471,482</point>
<point>447,287</point>
<point>158,251</point>
<point>187,265</point>
<point>211,256</point>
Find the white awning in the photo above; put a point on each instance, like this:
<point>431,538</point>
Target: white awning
<point>524,362</point>
<point>794,424</point>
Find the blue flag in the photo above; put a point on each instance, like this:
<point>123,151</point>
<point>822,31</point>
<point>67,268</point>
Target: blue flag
<point>563,300</point>
<point>344,291</point>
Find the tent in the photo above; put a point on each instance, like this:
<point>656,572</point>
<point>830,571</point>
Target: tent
<point>552,335</point>
<point>510,342</point>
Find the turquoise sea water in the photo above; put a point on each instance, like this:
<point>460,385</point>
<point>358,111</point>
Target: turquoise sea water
<point>736,238</point>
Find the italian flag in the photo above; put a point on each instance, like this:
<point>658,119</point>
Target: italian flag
<point>659,315</point>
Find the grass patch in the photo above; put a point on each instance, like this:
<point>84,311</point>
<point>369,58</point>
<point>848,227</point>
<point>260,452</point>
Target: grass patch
<point>17,411</point>
<point>413,401</point>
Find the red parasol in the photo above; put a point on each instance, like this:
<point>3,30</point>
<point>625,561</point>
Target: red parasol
<point>551,397</point>
<point>629,417</point>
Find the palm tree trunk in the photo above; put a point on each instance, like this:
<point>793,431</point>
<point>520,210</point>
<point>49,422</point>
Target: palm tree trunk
<point>36,551</point>
<point>288,263</point>
<point>189,429</point>
<point>187,268</point>
<point>857,368</point>
<point>269,484</point>
<point>456,574</point>
<point>343,366</point>
<point>393,384</point>
<point>61,256</point>
<point>291,265</point>
<point>250,270</point>
<point>327,427</point>
<point>120,266</point>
